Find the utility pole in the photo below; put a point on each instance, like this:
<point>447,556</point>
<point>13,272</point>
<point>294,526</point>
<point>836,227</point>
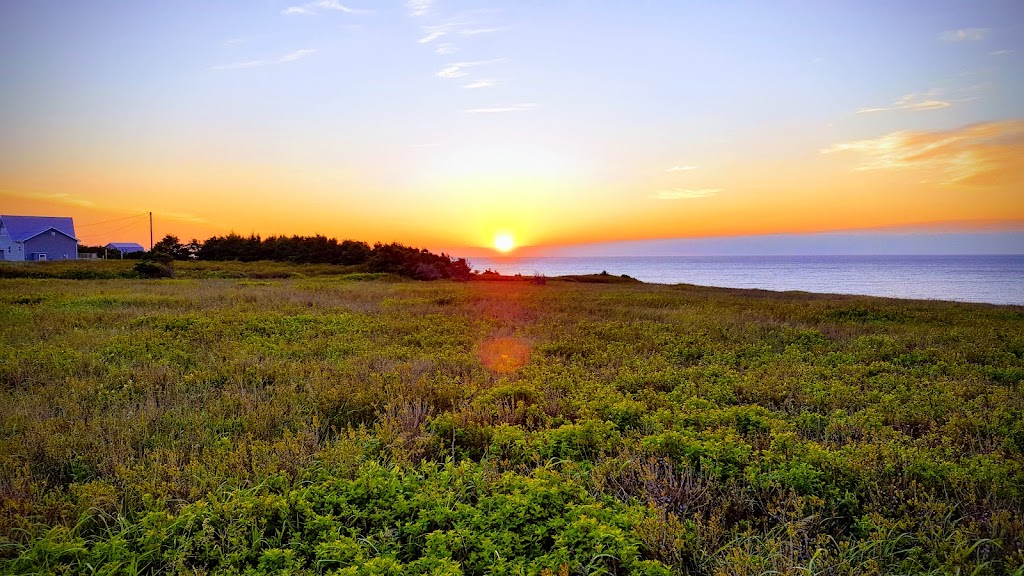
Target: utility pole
<point>150,231</point>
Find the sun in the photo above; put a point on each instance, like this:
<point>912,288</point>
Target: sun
<point>504,243</point>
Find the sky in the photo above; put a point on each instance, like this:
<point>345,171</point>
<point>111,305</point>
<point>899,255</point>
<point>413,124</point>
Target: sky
<point>567,125</point>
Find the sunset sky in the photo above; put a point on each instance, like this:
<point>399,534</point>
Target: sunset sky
<point>447,123</point>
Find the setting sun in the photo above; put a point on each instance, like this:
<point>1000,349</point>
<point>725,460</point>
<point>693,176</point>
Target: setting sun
<point>504,243</point>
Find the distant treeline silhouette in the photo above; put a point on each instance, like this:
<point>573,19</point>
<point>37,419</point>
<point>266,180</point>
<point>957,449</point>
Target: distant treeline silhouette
<point>394,258</point>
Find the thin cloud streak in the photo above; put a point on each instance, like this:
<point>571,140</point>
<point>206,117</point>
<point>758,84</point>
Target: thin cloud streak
<point>964,35</point>
<point>681,194</point>
<point>419,7</point>
<point>451,72</point>
<point>457,70</point>
<point>977,154</point>
<point>460,27</point>
<point>431,33</point>
<point>479,31</point>
<point>914,102</point>
<point>55,197</point>
<point>311,8</point>
<point>298,54</point>
<point>684,168</point>
<point>290,57</point>
<point>183,216</point>
<point>480,84</point>
<point>430,37</point>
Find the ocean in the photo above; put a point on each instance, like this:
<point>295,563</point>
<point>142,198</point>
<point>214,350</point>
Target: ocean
<point>992,279</point>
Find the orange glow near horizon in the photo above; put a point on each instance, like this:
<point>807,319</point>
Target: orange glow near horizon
<point>854,185</point>
<point>504,243</point>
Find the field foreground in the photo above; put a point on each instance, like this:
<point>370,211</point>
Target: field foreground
<point>352,425</point>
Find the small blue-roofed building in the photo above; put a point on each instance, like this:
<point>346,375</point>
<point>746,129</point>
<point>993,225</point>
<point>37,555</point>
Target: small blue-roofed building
<point>126,247</point>
<point>37,238</point>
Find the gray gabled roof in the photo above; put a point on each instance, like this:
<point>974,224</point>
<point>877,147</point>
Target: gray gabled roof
<point>126,246</point>
<point>22,228</point>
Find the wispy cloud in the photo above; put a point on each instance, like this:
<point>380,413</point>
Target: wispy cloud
<point>289,57</point>
<point>501,109</point>
<point>454,71</point>
<point>419,7</point>
<point>681,168</point>
<point>479,31</point>
<point>311,8</point>
<point>442,30</point>
<point>458,26</point>
<point>72,200</point>
<point>430,37</point>
<point>292,56</point>
<point>431,33</point>
<point>976,154</point>
<point>183,216</point>
<point>55,197</point>
<point>335,5</point>
<point>917,102</point>
<point>458,69</point>
<point>964,35</point>
<point>1000,52</point>
<point>681,194</point>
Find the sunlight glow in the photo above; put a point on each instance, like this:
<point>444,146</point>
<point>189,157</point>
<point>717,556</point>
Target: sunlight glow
<point>504,243</point>
<point>505,354</point>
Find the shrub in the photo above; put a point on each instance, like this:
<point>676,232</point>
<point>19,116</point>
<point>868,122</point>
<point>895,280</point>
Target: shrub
<point>154,269</point>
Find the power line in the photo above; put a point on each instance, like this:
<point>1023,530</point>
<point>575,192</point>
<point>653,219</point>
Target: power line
<point>129,225</point>
<point>108,221</point>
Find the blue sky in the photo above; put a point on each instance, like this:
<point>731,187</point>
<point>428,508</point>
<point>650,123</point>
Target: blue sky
<point>556,122</point>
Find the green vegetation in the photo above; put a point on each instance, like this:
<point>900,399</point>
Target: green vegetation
<point>394,258</point>
<point>275,418</point>
<point>114,269</point>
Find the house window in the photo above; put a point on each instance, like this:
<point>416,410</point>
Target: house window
<point>52,233</point>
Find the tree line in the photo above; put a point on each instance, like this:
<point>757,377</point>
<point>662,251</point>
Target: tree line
<point>394,258</point>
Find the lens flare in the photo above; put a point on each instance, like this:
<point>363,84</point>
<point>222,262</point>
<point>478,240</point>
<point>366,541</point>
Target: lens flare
<point>504,355</point>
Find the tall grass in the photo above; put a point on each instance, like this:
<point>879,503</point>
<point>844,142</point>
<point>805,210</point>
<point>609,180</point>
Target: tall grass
<point>314,424</point>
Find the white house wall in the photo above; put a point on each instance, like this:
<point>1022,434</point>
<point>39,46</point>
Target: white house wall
<point>10,250</point>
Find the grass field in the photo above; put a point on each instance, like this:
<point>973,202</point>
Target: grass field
<point>293,421</point>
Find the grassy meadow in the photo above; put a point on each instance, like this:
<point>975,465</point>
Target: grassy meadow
<point>239,419</point>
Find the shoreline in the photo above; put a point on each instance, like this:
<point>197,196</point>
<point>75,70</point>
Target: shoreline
<point>84,270</point>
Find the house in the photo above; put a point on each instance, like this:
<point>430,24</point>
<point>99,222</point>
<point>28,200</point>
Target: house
<point>126,247</point>
<point>37,238</point>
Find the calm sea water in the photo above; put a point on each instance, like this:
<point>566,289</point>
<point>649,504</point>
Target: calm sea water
<point>993,279</point>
